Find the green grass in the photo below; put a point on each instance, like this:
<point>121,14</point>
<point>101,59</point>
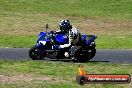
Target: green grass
<point>121,9</point>
<point>17,41</point>
<point>42,84</point>
<point>114,42</point>
<point>105,42</point>
<point>61,74</point>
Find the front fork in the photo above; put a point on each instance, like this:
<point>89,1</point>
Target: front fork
<point>41,50</point>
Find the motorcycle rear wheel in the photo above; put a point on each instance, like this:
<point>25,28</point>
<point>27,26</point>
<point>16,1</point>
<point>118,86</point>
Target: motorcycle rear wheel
<point>87,56</point>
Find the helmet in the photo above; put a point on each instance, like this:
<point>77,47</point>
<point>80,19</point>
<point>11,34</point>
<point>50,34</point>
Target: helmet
<point>65,25</point>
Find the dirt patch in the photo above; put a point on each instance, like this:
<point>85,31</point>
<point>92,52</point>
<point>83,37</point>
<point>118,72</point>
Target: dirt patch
<point>100,27</point>
<point>28,78</point>
<point>85,25</point>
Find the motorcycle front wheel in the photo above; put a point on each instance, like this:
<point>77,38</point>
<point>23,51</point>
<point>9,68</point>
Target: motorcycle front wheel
<point>35,53</point>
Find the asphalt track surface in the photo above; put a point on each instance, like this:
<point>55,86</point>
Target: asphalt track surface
<point>102,55</point>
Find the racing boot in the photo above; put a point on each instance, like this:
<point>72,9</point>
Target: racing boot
<point>66,54</point>
<point>69,55</point>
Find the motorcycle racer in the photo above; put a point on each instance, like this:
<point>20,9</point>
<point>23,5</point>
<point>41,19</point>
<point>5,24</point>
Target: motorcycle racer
<point>74,42</point>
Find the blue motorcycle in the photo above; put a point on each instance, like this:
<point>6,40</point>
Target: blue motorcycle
<point>48,42</point>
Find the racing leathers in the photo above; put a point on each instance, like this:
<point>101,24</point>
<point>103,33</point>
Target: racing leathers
<point>74,42</point>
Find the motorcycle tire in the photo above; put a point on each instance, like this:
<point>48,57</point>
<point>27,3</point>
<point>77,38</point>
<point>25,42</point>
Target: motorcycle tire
<point>87,56</point>
<point>34,55</point>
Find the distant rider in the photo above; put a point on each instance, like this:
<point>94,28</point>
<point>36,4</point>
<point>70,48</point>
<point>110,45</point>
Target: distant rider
<point>74,42</point>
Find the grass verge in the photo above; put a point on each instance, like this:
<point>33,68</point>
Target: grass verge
<point>48,74</point>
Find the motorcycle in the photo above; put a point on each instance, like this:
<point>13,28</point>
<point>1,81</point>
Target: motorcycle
<point>47,43</point>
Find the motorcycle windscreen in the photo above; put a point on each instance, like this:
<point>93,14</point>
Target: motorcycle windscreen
<point>61,39</point>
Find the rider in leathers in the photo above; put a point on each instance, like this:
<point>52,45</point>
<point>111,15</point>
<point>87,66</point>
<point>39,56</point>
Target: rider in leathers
<point>74,37</point>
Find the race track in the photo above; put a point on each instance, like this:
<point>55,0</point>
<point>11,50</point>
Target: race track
<point>102,55</point>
